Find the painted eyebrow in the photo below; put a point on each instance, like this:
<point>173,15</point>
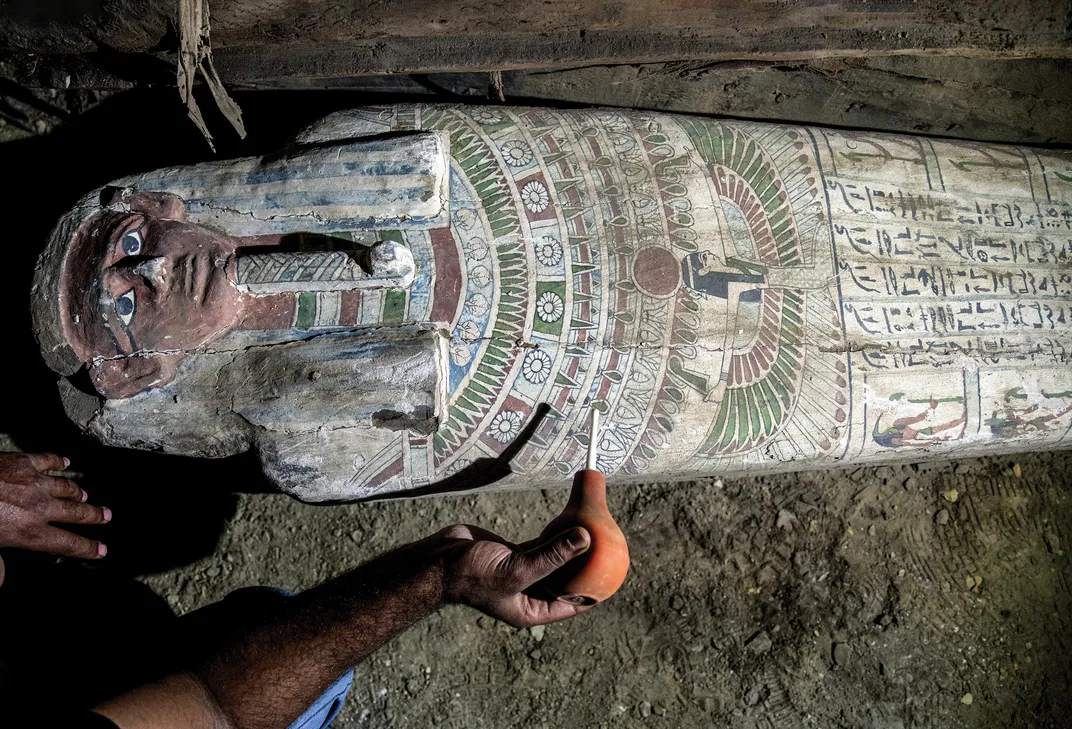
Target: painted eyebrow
<point>102,297</point>
<point>109,316</point>
<point>115,236</point>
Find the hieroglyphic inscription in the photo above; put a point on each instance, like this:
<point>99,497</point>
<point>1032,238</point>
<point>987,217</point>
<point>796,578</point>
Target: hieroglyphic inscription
<point>954,261</point>
<point>929,274</point>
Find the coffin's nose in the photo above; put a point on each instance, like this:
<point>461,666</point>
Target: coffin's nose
<point>154,270</point>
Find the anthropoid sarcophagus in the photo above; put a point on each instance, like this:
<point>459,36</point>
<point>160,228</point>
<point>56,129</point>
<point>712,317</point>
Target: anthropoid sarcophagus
<point>413,299</point>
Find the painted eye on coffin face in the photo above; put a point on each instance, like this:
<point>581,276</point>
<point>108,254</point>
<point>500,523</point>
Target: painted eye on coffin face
<point>131,243</point>
<point>124,307</point>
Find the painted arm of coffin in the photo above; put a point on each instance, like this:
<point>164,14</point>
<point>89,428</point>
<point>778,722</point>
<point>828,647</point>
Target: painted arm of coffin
<point>391,182</point>
<point>298,403</point>
<point>384,265</point>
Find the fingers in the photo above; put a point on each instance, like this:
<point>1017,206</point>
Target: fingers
<point>454,531</point>
<point>485,535</point>
<point>543,612</point>
<point>470,532</point>
<point>47,462</point>
<point>58,541</point>
<point>63,488</point>
<point>533,565</point>
<point>74,512</point>
<point>525,611</point>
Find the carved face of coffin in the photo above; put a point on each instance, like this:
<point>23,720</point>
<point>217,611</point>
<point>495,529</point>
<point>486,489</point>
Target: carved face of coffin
<point>139,286</point>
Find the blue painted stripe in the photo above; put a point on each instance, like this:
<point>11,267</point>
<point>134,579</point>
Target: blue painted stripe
<point>294,225</point>
<point>420,293</point>
<point>301,200</point>
<point>367,169</point>
<point>313,170</point>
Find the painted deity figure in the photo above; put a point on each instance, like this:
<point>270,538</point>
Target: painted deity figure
<point>413,299</point>
<point>926,425</point>
<point>1017,417</point>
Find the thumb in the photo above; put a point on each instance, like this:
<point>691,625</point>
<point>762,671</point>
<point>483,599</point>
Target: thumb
<point>533,565</point>
<point>1,570</point>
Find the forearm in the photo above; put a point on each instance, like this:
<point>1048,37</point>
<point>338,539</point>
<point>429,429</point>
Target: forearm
<point>274,670</point>
<point>270,672</point>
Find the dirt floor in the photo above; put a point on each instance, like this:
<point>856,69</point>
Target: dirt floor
<point>931,595</point>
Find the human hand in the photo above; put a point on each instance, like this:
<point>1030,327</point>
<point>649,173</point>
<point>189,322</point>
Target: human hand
<point>30,499</point>
<point>484,571</point>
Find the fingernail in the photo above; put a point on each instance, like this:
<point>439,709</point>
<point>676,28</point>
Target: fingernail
<point>84,495</point>
<point>66,462</point>
<point>102,549</point>
<point>576,539</point>
<point>107,513</point>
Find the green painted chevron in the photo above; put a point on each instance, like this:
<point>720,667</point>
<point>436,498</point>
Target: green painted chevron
<point>718,144</point>
<point>487,375</point>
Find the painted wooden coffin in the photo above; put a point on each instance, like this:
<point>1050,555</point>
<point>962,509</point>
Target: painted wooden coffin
<point>732,296</point>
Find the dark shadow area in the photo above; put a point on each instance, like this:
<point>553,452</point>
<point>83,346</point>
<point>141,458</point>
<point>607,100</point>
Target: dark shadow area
<point>482,471</point>
<point>91,627</point>
<point>75,634</point>
<point>308,243</point>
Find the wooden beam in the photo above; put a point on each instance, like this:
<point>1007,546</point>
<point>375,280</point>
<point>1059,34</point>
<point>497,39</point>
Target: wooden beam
<point>330,39</point>
<point>527,52</point>
<point>1027,100</point>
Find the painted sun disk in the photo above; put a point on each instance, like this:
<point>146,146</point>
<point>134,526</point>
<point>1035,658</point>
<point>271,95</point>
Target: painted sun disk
<point>733,296</point>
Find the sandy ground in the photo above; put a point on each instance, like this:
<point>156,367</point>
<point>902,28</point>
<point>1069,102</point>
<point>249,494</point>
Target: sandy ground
<point>933,595</point>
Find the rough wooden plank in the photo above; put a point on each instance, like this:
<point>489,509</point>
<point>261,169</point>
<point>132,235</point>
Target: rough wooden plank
<point>298,37</point>
<point>1027,100</point>
<point>424,54</point>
